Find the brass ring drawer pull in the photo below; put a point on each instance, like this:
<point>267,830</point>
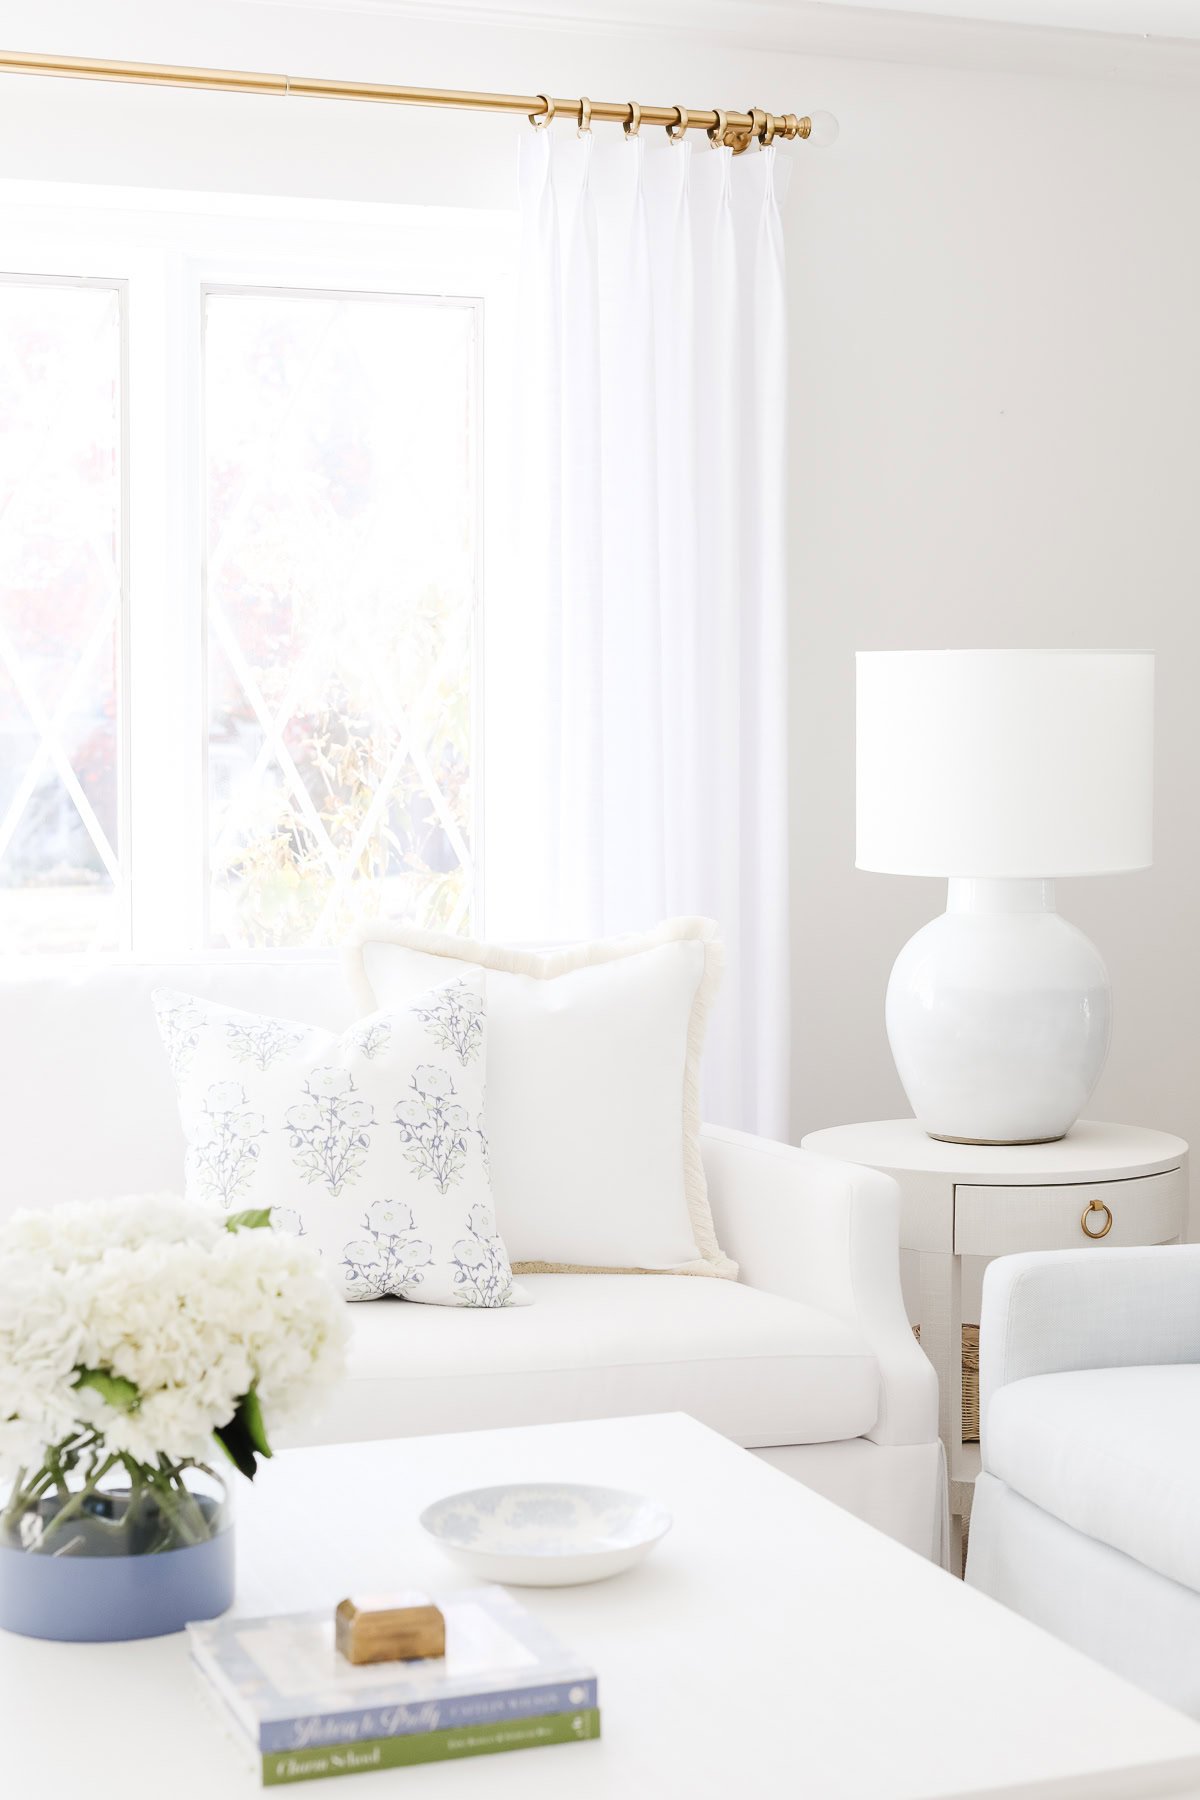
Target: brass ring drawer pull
<point>1096,1206</point>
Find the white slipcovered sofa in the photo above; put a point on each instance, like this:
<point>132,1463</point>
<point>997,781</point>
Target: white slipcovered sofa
<point>1086,1515</point>
<point>808,1359</point>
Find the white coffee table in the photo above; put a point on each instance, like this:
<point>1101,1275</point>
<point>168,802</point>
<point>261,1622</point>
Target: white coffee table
<point>771,1645</point>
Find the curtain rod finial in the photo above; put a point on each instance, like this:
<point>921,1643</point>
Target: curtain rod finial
<point>822,130</point>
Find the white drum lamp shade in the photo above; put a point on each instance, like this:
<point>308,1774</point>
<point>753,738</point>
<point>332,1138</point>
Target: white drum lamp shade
<point>1001,770</point>
<point>1012,763</point>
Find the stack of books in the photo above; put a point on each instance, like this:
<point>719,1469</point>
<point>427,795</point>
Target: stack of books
<point>301,1711</point>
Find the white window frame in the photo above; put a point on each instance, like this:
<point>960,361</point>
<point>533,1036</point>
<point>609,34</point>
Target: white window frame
<point>48,278</point>
<point>166,250</point>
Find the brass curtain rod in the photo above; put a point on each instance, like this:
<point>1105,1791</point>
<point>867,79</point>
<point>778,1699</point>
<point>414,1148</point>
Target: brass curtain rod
<point>733,128</point>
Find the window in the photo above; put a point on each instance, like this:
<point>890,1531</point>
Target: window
<point>241,570</point>
<point>340,545</point>
<point>62,749</point>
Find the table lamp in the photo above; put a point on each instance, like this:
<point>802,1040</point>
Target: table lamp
<point>1002,770</point>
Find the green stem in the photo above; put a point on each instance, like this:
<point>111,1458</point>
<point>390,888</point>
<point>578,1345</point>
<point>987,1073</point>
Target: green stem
<point>182,1504</point>
<point>54,1470</point>
<point>18,1500</point>
<point>29,1487</point>
<point>74,1505</point>
<point>182,1518</point>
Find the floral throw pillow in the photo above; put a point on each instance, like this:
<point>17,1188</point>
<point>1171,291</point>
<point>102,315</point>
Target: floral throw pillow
<point>371,1145</point>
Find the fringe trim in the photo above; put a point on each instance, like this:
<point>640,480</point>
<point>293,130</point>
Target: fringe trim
<point>546,966</point>
<point>700,1267</point>
<point>547,1268</point>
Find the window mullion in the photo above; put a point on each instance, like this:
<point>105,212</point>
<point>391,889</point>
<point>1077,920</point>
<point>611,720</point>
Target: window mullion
<point>166,640</point>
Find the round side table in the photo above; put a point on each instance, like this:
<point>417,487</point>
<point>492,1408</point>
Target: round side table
<point>1100,1185</point>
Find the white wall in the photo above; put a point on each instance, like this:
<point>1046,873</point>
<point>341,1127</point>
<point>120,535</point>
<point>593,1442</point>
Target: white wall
<point>997,383</point>
<point>994,386</point>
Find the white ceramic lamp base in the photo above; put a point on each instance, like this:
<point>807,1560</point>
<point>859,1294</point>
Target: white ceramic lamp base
<point>999,1015</point>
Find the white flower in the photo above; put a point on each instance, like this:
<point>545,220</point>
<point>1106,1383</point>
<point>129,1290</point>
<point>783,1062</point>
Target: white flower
<point>455,1115</point>
<point>82,1230</point>
<point>412,1112</point>
<point>41,1342</point>
<point>358,1112</point>
<point>248,1125</point>
<point>157,1291</point>
<point>302,1117</point>
<point>329,1082</point>
<point>431,1080</point>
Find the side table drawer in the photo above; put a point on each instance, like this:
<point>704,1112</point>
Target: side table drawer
<point>996,1221</point>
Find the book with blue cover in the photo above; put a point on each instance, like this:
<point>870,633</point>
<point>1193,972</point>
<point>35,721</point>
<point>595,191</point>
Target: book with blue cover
<point>504,1682</point>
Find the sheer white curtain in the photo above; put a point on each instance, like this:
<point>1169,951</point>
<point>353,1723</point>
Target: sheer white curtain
<point>653,645</point>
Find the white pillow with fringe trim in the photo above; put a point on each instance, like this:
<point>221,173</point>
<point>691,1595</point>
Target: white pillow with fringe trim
<point>593,1095</point>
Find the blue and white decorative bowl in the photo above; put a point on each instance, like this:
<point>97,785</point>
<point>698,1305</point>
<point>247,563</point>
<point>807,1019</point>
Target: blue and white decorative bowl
<point>546,1534</point>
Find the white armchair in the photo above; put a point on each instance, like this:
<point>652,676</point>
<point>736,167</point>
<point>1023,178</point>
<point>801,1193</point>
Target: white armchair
<point>1086,1515</point>
<point>827,1233</point>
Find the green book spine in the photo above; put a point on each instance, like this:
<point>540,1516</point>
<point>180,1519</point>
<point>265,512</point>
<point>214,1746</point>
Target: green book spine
<point>318,1760</point>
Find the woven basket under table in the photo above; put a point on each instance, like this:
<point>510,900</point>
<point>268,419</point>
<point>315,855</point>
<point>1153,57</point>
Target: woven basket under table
<point>970,1381</point>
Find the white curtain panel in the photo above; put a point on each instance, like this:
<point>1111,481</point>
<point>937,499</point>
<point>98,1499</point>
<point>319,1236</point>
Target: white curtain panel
<point>653,377</point>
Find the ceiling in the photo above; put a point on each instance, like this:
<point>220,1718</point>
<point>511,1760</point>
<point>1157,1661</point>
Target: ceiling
<point>1136,18</point>
<point>1154,40</point>
<point>1158,19</point>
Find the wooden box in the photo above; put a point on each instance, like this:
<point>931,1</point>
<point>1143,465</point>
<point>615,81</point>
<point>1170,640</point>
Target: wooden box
<point>389,1628</point>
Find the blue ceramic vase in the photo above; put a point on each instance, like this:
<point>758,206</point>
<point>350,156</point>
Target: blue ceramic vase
<point>116,1563</point>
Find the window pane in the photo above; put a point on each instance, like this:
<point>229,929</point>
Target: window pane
<point>341,548</point>
<point>60,617</point>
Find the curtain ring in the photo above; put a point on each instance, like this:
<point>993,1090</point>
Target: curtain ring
<point>766,136</point>
<point>540,120</point>
<point>716,133</point>
<point>677,132</point>
<point>585,116</point>
<point>633,123</point>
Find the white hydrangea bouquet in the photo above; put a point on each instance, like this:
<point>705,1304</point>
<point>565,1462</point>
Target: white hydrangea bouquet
<point>137,1335</point>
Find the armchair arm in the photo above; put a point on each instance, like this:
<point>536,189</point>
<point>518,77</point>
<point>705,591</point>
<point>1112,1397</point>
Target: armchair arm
<point>1050,1310</point>
<point>826,1233</point>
